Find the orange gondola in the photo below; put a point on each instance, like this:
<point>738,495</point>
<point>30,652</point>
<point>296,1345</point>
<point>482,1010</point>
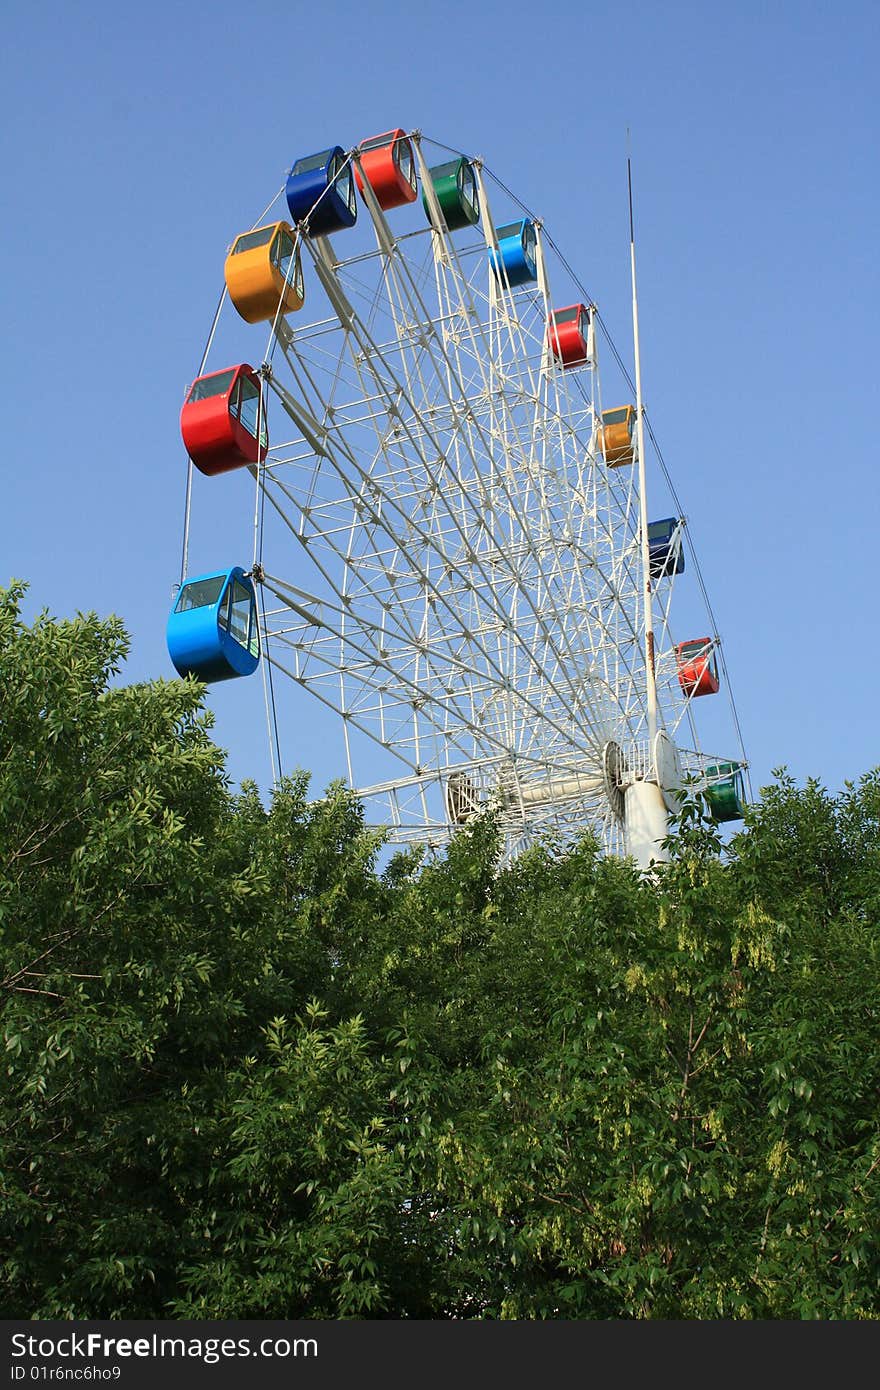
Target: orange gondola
<point>616,435</point>
<point>263,270</point>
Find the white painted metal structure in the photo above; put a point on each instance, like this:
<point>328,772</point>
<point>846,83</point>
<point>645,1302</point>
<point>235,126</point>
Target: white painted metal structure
<point>448,563</point>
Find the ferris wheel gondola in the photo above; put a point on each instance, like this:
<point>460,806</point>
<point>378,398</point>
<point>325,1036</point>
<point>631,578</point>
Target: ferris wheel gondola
<point>213,630</point>
<point>454,552</point>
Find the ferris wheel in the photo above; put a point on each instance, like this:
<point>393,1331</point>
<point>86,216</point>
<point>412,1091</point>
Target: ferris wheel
<point>453,551</point>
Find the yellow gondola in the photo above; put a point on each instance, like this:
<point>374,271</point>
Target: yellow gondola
<point>263,268</point>
<point>616,435</point>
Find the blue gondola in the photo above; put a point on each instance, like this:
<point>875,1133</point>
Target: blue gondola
<point>517,256</point>
<point>326,176</point>
<point>664,545</point>
<point>212,629</point>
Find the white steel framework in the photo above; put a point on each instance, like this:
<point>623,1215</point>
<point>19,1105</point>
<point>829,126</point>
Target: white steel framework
<point>447,562</point>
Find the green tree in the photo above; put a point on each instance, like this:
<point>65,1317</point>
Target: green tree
<point>257,1069</point>
<point>155,932</point>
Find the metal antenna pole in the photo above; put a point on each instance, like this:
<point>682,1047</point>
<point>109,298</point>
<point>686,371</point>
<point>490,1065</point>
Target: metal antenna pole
<point>643,500</point>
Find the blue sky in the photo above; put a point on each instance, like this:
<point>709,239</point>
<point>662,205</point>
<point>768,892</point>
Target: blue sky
<point>140,141</point>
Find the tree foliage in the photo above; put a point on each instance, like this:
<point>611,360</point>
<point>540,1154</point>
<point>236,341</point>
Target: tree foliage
<point>255,1068</point>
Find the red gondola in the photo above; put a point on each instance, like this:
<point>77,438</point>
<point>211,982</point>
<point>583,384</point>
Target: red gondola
<point>568,334</point>
<point>389,167</point>
<point>221,420</point>
<point>697,667</point>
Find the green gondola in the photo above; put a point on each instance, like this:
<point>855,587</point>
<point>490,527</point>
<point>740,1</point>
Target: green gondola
<point>456,188</point>
<point>726,794</point>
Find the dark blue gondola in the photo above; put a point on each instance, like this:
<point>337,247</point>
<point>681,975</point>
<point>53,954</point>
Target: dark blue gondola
<point>517,257</point>
<point>321,188</point>
<point>212,629</point>
<point>664,545</point>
